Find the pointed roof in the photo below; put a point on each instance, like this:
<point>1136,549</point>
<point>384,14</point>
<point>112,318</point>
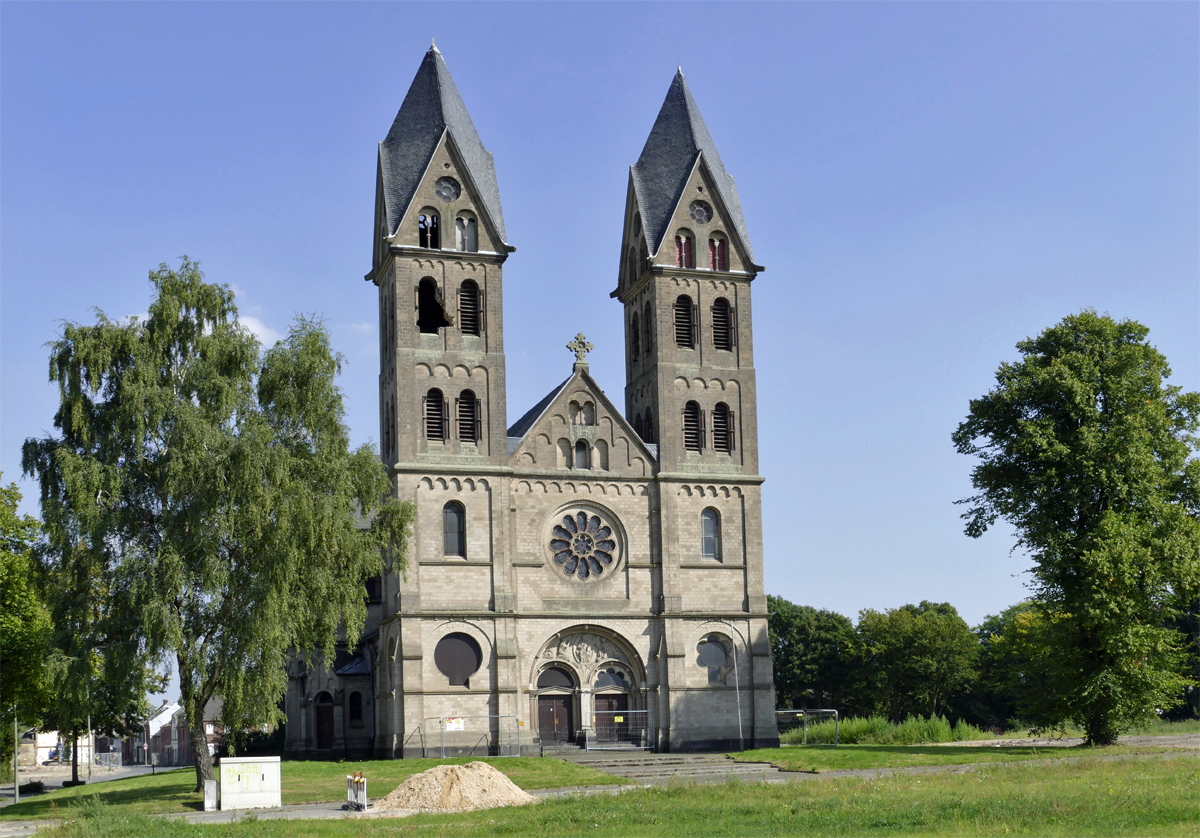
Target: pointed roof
<point>433,106</point>
<point>534,413</point>
<point>678,138</point>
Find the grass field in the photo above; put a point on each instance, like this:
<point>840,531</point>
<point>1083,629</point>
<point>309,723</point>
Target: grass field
<point>303,782</point>
<point>1137,796</point>
<point>819,758</point>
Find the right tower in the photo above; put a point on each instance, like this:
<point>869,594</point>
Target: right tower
<point>684,279</point>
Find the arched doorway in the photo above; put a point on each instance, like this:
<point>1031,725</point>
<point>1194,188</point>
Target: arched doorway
<point>611,718</point>
<point>556,698</point>
<point>324,721</point>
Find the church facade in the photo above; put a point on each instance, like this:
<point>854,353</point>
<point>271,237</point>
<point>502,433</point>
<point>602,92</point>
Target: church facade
<point>592,573</point>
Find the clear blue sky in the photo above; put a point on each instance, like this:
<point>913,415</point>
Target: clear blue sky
<point>926,184</point>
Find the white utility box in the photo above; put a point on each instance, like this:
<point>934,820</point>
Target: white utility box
<point>249,782</point>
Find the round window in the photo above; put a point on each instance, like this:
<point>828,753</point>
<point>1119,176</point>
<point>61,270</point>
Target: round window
<point>701,212</point>
<point>712,653</point>
<point>583,545</point>
<point>458,657</point>
<point>447,188</point>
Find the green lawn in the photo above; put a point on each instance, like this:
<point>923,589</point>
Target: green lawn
<point>1149,796</point>
<point>303,782</point>
<point>820,758</point>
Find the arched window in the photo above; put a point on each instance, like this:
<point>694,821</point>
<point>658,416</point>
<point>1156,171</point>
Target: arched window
<point>466,233</point>
<point>637,426</point>
<point>648,327</point>
<point>635,338</point>
<point>454,530</point>
<point>573,412</point>
<point>693,427</point>
<point>643,258</point>
<point>355,709</point>
<point>431,314</point>
<point>555,676</point>
<point>651,435</point>
<point>710,534</point>
<point>600,457</point>
<point>685,322</point>
<point>437,423</point>
<point>684,252</point>
<point>467,413</point>
<point>722,430</point>
<point>458,657</point>
<point>581,454</point>
<point>718,254</point>
<point>468,308</point>
<point>722,324</point>
<point>588,413</point>
<point>611,678</point>
<point>429,233</point>
<point>637,224</point>
<point>631,265</point>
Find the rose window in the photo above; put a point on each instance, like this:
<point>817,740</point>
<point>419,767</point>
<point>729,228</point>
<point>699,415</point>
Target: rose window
<point>583,545</point>
<point>447,188</point>
<point>700,212</point>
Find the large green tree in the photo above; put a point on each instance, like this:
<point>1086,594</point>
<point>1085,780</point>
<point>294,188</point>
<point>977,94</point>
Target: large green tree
<point>24,624</point>
<point>914,659</point>
<point>1087,452</point>
<point>810,650</point>
<point>215,484</point>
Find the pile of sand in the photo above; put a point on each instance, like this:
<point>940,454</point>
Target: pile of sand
<point>455,788</point>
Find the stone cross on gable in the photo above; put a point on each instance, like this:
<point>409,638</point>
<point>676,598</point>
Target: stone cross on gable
<point>581,348</point>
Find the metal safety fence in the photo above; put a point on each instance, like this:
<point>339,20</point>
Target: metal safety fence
<point>482,736</point>
<point>619,730</point>
<point>789,720</point>
<point>109,761</point>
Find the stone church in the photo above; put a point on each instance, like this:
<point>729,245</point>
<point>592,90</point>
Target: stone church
<point>591,574</point>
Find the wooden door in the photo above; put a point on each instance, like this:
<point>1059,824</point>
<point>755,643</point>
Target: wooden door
<point>612,725</point>
<point>554,718</point>
<point>324,726</point>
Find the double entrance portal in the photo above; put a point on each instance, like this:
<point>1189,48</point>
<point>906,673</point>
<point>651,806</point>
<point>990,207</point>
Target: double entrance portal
<point>556,719</point>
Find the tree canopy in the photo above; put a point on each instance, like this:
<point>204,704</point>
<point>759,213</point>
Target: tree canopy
<point>810,650</point>
<point>1088,453</point>
<point>214,484</point>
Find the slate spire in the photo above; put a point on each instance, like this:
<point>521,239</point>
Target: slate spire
<point>678,138</point>
<point>431,107</point>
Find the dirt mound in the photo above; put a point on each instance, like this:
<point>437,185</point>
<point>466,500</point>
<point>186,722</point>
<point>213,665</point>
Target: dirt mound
<point>455,788</point>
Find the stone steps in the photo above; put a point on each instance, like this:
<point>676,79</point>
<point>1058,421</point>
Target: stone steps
<point>664,768</point>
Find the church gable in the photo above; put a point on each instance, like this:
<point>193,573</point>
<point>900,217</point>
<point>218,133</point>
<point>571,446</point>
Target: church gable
<point>579,431</point>
<point>701,232</point>
<point>446,211</point>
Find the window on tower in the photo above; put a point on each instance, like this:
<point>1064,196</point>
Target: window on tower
<point>722,324</point>
<point>710,534</point>
<point>429,233</point>
<point>685,322</point>
<point>722,431</point>
<point>635,339</point>
<point>718,254</point>
<point>454,529</point>
<point>693,427</point>
<point>466,233</point>
<point>651,435</point>
<point>436,421</point>
<point>468,308</point>
<point>648,327</point>
<point>431,314</point>
<point>643,258</point>
<point>468,418</point>
<point>685,256</point>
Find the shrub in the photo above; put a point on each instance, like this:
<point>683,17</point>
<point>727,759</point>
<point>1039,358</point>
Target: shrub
<point>33,787</point>
<point>877,730</point>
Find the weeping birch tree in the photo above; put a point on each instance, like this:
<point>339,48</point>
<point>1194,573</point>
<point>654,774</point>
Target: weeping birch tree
<point>216,484</point>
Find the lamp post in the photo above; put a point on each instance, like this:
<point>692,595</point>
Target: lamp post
<point>737,687</point>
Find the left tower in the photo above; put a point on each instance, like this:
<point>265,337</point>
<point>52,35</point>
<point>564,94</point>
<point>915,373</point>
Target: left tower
<point>438,251</point>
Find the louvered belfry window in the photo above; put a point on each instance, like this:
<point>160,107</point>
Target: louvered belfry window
<point>436,420</point>
<point>693,427</point>
<point>722,324</point>
<point>684,322</point>
<point>722,430</point>
<point>468,417</point>
<point>468,308</point>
